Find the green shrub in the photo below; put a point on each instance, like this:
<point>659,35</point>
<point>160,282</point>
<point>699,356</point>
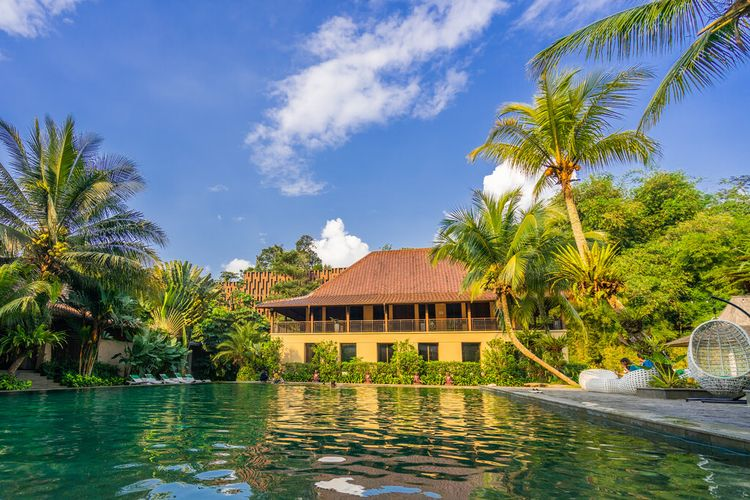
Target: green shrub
<point>77,380</point>
<point>298,372</point>
<point>501,366</point>
<point>462,373</point>
<point>11,383</point>
<point>573,370</point>
<point>407,361</point>
<point>326,360</point>
<point>247,374</point>
<point>154,352</point>
<point>104,370</point>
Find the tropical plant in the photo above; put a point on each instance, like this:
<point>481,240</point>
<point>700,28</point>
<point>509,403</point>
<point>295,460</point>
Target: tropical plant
<point>504,250</point>
<point>326,360</point>
<point>242,344</point>
<point>63,206</point>
<point>718,32</point>
<point>592,275</point>
<point>154,352</point>
<point>407,361</point>
<point>182,298</point>
<point>22,342</point>
<point>11,383</point>
<point>568,127</point>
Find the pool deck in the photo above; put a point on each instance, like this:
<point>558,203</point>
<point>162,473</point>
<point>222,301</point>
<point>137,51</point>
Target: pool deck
<point>721,425</point>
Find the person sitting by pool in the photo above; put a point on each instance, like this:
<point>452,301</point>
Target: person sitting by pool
<point>368,378</point>
<point>263,376</point>
<point>316,376</point>
<point>448,379</point>
<point>627,365</point>
<point>416,380</point>
<point>645,362</point>
<point>277,378</point>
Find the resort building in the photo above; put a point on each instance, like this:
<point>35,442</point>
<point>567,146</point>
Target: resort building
<point>387,297</point>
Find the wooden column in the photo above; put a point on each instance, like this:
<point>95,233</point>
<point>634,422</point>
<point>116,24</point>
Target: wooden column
<point>347,319</point>
<point>427,317</point>
<point>308,327</point>
<point>385,315</point>
<point>468,315</point>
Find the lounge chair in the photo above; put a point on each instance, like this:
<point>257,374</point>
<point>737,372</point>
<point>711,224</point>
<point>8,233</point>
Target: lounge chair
<point>167,380</point>
<point>719,358</point>
<point>190,379</point>
<point>150,379</point>
<point>136,380</point>
<point>607,381</point>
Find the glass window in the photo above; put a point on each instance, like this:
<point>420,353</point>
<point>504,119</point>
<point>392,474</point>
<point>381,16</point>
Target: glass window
<point>429,352</point>
<point>348,352</point>
<point>309,352</point>
<point>385,353</point>
<point>470,351</point>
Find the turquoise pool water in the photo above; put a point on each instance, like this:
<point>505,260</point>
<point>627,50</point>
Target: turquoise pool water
<point>234,441</point>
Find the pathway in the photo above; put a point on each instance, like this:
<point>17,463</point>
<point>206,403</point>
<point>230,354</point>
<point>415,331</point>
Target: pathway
<point>38,382</point>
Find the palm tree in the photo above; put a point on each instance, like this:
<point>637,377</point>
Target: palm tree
<point>592,276</point>
<point>183,294</point>
<point>242,344</point>
<point>566,128</point>
<point>25,313</point>
<point>63,205</point>
<point>718,33</point>
<point>503,249</point>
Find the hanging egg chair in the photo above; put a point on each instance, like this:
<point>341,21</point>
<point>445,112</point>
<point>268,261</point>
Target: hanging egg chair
<point>719,358</point>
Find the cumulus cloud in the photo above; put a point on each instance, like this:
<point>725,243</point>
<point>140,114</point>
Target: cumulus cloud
<point>236,265</point>
<point>366,73</point>
<point>338,248</point>
<point>31,18</point>
<point>218,188</point>
<point>560,15</point>
<point>506,178</point>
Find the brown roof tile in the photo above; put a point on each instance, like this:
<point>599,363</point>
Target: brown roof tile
<point>389,277</point>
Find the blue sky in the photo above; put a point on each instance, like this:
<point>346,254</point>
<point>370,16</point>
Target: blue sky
<point>255,122</point>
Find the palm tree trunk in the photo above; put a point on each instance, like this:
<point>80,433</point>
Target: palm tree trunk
<point>16,364</point>
<point>524,350</point>
<point>575,219</point>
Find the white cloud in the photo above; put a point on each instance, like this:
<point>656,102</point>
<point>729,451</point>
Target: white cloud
<point>31,18</point>
<point>238,218</point>
<point>236,265</point>
<point>367,73</point>
<point>218,188</point>
<point>337,248</point>
<point>561,15</point>
<point>506,178</point>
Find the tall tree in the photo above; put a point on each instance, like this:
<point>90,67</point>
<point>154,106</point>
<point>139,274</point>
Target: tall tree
<point>717,31</point>
<point>567,127</point>
<point>503,249</point>
<point>63,206</point>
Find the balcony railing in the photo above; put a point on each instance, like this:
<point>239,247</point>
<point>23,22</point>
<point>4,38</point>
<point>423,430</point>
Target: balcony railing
<point>392,325</point>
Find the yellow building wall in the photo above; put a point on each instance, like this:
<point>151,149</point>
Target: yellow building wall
<point>449,343</point>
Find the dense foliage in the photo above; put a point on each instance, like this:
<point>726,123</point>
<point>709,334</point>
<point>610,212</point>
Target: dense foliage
<point>78,380</point>
<point>9,382</point>
<point>154,352</point>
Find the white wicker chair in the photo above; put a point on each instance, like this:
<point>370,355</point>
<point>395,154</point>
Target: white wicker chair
<point>607,381</point>
<point>719,358</point>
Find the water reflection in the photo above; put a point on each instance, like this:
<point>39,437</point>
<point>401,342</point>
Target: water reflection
<point>304,442</point>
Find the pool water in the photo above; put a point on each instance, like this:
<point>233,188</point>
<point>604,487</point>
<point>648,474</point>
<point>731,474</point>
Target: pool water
<point>241,440</point>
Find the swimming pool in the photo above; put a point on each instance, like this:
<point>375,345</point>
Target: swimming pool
<point>238,440</point>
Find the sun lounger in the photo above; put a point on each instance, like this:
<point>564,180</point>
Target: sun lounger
<point>136,380</point>
<point>167,380</point>
<point>189,378</point>
<point>150,379</point>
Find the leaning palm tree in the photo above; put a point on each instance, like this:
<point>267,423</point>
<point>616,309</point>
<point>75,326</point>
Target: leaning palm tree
<point>717,31</point>
<point>63,205</point>
<point>568,127</point>
<point>502,247</point>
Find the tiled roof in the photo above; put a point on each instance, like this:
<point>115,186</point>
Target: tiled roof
<point>389,277</point>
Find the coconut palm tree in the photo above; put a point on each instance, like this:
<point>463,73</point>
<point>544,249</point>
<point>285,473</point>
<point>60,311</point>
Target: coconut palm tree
<point>242,344</point>
<point>566,128</point>
<point>717,33</point>
<point>63,205</point>
<point>503,249</point>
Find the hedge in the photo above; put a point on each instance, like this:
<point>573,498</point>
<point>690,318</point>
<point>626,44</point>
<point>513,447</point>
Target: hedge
<point>11,383</point>
<point>76,380</point>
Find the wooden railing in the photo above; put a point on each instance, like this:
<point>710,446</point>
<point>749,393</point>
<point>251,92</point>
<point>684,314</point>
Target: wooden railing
<point>392,325</point>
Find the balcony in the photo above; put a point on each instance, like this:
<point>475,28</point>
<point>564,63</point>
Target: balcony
<point>392,325</point>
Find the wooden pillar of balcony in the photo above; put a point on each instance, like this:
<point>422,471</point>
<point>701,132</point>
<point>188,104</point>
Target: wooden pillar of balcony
<point>427,318</point>
<point>323,314</point>
<point>468,316</point>
<point>348,316</point>
<point>385,315</point>
<point>308,317</point>
<point>272,320</point>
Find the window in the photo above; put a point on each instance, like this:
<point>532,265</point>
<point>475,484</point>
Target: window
<point>385,353</point>
<point>470,351</point>
<point>348,352</point>
<point>309,352</point>
<point>429,352</point>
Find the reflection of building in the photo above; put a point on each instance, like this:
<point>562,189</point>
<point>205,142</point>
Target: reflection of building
<point>386,297</point>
